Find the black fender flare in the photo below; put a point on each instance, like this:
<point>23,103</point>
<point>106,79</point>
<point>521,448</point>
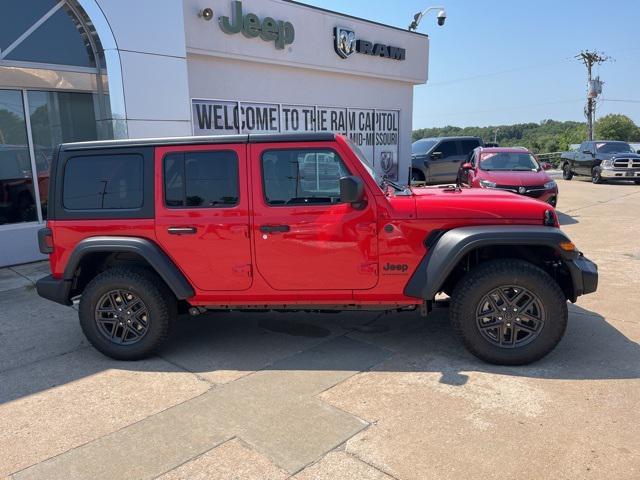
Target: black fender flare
<point>451,246</point>
<point>157,259</point>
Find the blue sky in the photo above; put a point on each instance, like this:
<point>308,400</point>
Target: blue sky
<point>503,62</point>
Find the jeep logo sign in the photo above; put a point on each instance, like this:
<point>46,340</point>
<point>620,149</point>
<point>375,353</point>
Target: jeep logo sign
<point>269,29</point>
<point>345,44</point>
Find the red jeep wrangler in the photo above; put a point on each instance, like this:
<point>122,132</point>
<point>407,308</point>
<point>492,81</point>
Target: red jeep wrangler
<point>142,229</point>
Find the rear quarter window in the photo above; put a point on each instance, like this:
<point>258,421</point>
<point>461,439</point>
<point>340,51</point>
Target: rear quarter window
<point>103,182</point>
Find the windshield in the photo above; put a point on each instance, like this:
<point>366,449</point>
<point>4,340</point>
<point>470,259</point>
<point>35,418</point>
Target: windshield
<point>421,147</point>
<point>365,162</point>
<point>380,180</point>
<point>509,162</point>
<point>614,147</point>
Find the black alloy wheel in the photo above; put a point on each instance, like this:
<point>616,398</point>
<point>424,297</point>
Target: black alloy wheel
<point>122,317</point>
<point>567,174</point>
<point>510,316</point>
<point>596,176</point>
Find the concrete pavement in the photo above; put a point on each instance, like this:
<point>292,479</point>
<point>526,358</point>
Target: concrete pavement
<point>313,396</point>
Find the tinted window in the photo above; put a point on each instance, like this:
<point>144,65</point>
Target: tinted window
<point>614,147</point>
<point>201,179</point>
<point>448,149</point>
<point>58,41</point>
<point>103,182</point>
<point>469,145</point>
<point>420,147</point>
<point>299,177</point>
<point>509,161</point>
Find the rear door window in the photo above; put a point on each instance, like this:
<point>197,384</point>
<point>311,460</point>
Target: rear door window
<point>103,182</point>
<point>469,145</point>
<point>448,148</point>
<point>201,179</point>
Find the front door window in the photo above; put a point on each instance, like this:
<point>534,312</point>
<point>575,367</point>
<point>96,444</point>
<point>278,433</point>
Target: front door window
<point>17,195</point>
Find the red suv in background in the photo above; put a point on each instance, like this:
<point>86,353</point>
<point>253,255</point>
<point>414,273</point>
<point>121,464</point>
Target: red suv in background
<point>513,169</point>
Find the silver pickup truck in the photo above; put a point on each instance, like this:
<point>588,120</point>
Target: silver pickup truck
<point>602,161</point>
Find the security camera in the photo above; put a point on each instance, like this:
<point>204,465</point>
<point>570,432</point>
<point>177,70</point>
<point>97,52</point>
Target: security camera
<point>442,16</point>
<point>207,14</point>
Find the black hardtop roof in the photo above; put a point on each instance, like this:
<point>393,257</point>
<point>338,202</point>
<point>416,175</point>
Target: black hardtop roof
<point>199,140</point>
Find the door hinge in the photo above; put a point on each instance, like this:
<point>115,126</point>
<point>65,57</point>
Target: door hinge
<point>243,270</point>
<point>368,268</point>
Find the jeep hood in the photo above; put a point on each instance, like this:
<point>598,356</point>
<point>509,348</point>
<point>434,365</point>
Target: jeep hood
<point>477,204</point>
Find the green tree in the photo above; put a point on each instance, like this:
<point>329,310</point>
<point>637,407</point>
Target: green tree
<point>617,127</point>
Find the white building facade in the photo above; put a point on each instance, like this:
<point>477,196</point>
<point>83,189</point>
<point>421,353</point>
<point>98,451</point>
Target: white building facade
<point>76,70</point>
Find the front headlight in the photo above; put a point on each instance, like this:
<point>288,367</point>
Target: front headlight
<point>551,184</point>
<point>607,163</point>
<point>487,184</point>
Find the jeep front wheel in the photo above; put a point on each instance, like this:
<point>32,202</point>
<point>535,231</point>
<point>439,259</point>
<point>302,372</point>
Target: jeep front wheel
<point>567,174</point>
<point>126,313</point>
<point>508,312</point>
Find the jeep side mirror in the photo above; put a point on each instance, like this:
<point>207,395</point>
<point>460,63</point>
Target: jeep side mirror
<point>436,155</point>
<point>467,166</point>
<point>352,191</point>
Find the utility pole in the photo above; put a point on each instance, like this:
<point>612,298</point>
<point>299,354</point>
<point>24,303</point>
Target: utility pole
<point>495,135</point>
<point>594,87</point>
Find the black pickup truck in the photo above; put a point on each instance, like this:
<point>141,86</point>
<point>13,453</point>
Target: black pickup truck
<point>602,161</point>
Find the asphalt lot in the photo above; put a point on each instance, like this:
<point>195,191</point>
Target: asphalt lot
<point>363,396</point>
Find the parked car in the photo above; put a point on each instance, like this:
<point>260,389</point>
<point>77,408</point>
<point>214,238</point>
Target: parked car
<point>437,160</point>
<point>602,161</point>
<point>511,169</point>
<point>141,229</point>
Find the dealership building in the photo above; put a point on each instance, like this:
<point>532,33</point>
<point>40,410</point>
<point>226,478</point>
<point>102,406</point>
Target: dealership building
<point>75,70</point>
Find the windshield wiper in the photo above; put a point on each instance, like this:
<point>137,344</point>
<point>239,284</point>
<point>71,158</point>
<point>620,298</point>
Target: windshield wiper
<point>386,181</point>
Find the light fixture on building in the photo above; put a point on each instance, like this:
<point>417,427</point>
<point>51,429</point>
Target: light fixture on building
<point>442,16</point>
<point>206,13</point>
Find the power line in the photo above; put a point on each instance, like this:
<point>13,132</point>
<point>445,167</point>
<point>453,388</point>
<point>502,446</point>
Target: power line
<point>618,100</point>
<point>497,73</point>
<point>502,109</point>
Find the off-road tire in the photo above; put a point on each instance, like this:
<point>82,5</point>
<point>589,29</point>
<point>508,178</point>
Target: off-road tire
<point>596,176</point>
<point>477,283</point>
<point>158,299</point>
<point>567,174</point>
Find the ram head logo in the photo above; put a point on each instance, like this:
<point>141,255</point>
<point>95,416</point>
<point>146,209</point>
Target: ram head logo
<point>345,41</point>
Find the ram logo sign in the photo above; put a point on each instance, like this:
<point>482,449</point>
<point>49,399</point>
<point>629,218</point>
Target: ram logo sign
<point>346,43</point>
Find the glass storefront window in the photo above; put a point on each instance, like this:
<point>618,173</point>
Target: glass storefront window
<point>58,117</point>
<point>17,198</point>
<point>66,43</point>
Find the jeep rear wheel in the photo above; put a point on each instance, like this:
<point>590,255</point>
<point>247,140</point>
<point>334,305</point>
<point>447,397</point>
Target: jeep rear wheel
<point>126,313</point>
<point>508,312</point>
<point>567,174</point>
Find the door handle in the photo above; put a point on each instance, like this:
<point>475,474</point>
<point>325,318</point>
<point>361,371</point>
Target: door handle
<point>274,228</point>
<point>182,230</point>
